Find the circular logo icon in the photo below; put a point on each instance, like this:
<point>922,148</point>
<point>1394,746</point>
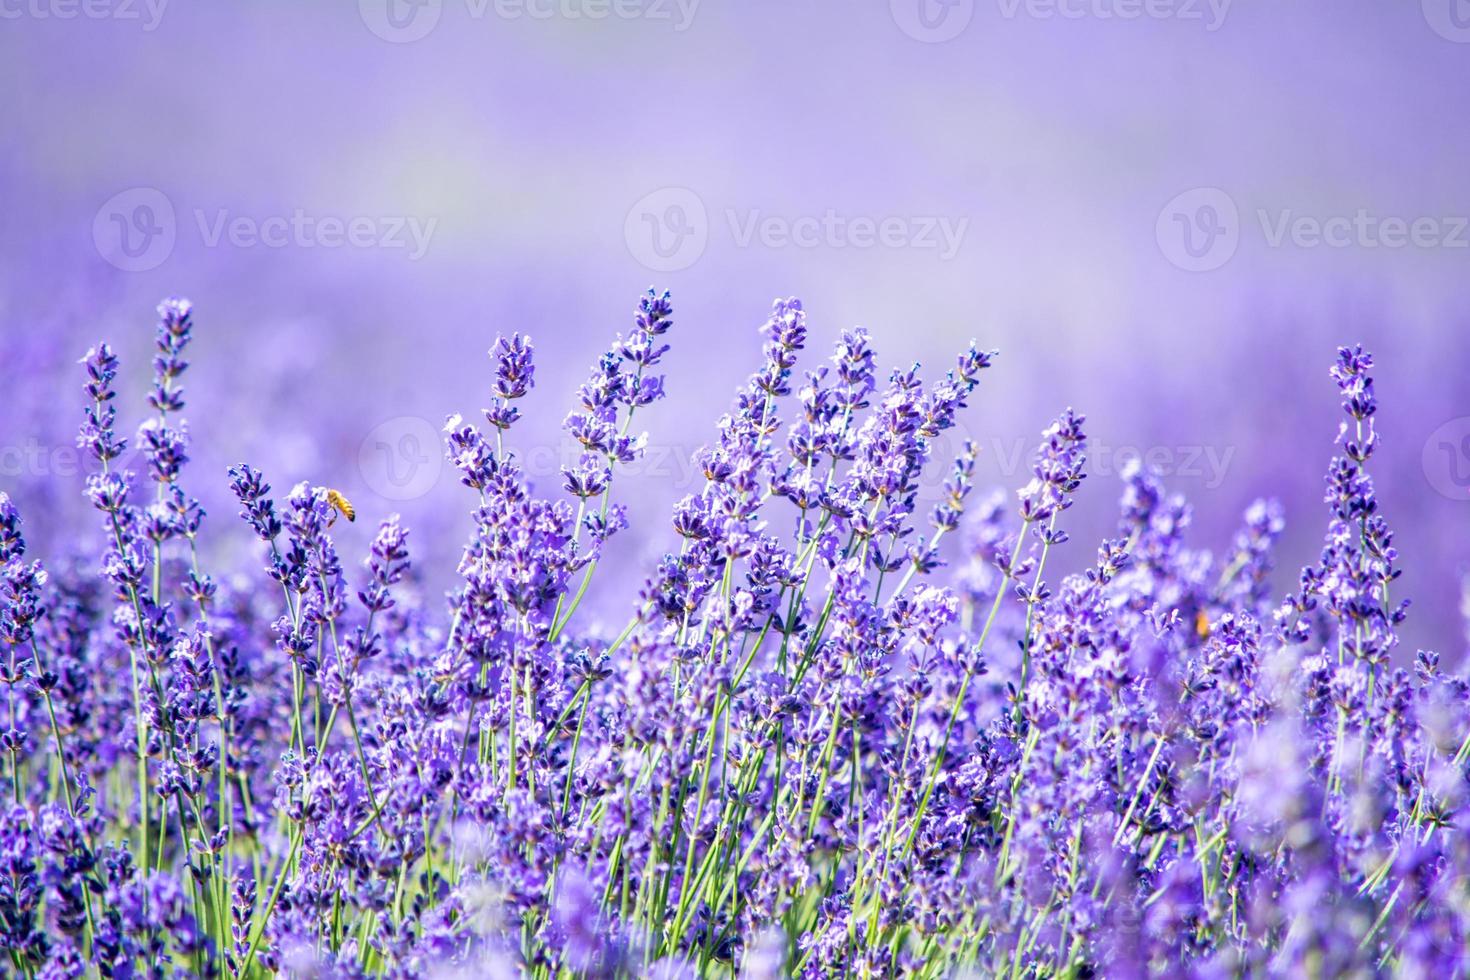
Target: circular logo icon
<point>932,21</point>
<point>1449,18</point>
<point>667,230</point>
<point>1199,230</point>
<point>1446,459</point>
<point>400,458</point>
<point>400,21</point>
<point>135,230</point>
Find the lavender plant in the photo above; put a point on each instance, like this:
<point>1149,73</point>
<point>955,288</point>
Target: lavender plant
<point>809,751</point>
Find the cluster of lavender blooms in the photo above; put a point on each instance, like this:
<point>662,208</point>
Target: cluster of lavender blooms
<point>809,752</point>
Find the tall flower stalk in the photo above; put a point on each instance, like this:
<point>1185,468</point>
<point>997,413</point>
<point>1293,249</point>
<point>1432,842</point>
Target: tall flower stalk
<point>855,723</point>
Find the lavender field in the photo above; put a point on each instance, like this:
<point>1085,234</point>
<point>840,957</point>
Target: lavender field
<point>816,748</point>
<point>1073,582</point>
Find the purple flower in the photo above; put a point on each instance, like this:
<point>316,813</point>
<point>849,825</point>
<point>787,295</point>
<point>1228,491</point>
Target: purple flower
<point>514,373</point>
<point>810,750</point>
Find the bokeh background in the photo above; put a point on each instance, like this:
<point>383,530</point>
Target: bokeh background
<point>1120,195</point>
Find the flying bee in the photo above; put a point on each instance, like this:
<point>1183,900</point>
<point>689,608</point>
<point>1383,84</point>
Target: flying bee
<point>340,504</point>
<point>1202,625</point>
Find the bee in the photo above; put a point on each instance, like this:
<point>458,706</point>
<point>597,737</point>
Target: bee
<point>1202,625</point>
<point>340,504</point>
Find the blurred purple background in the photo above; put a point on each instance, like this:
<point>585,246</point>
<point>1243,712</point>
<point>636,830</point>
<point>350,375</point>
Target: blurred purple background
<point>1166,213</point>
